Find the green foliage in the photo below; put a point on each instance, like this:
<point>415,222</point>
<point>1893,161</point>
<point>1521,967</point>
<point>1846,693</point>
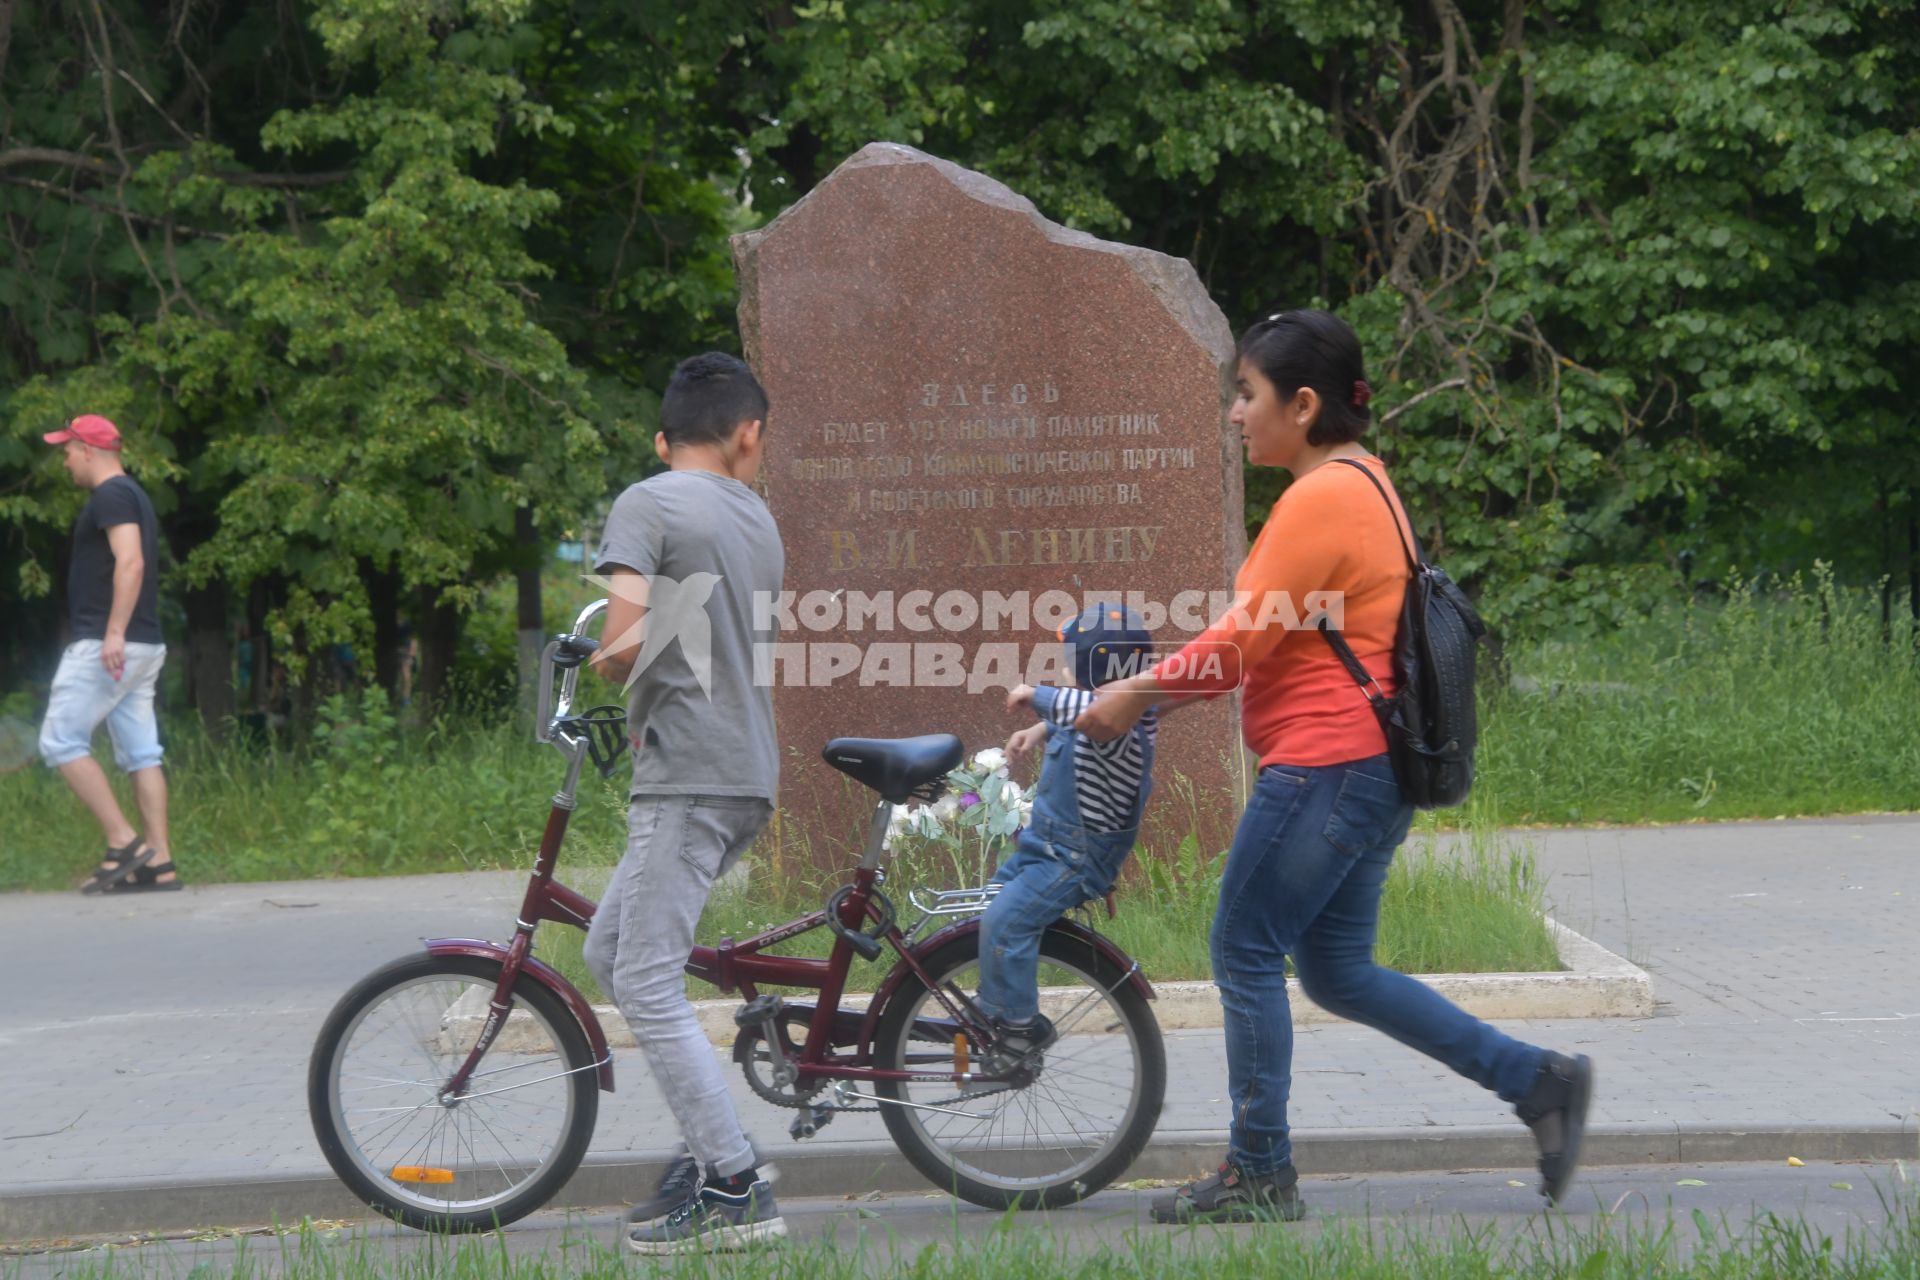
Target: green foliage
<point>354,812</point>
<point>364,280</point>
<point>1628,274</point>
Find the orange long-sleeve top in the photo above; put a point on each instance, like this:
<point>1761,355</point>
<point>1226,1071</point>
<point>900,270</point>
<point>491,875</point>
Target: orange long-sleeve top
<point>1329,532</point>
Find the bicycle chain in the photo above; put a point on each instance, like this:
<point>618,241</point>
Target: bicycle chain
<point>800,1101</point>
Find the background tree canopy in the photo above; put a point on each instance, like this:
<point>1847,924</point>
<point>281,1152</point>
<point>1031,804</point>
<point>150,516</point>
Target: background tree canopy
<point>382,292</point>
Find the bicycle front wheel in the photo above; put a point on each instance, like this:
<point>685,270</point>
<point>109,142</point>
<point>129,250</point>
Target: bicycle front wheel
<point>493,1154</point>
<point>1090,1107</point>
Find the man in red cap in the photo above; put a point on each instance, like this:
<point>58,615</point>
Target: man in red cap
<point>109,670</point>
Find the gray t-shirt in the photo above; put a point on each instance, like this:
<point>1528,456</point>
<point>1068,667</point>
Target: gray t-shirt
<point>707,545</point>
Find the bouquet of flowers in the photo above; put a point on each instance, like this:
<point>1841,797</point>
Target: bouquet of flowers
<point>975,821</point>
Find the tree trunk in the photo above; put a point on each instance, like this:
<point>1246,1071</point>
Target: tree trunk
<point>1913,553</point>
<point>383,601</point>
<point>439,632</point>
<point>260,677</point>
<point>532,625</point>
<point>210,657</point>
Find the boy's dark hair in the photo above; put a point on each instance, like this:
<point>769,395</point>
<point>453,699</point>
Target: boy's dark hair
<point>1317,349</point>
<point>707,397</point>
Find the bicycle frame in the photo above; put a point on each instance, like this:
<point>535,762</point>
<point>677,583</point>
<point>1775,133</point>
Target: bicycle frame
<point>738,966</point>
<point>732,966</point>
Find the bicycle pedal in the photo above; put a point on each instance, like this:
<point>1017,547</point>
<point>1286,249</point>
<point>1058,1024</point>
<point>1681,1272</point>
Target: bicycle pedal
<point>810,1121</point>
<point>760,1009</point>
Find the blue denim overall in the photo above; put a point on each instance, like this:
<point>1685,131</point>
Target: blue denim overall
<point>1057,864</point>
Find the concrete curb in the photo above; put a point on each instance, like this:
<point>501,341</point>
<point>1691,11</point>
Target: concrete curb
<point>1596,983</point>
<point>853,1169</point>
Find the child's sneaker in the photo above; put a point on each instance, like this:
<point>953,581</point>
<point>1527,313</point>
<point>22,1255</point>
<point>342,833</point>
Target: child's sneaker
<point>1014,1043</point>
<point>715,1218</point>
<point>1229,1195</point>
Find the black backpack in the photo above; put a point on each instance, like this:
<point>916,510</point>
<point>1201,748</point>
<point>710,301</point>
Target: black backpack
<point>1430,722</point>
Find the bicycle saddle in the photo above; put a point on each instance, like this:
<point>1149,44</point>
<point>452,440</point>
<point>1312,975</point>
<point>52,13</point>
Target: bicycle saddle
<point>896,767</point>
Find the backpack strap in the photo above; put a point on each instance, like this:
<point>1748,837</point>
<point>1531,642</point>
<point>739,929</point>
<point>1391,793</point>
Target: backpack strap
<point>1355,668</point>
<point>1415,554</point>
<point>1344,651</point>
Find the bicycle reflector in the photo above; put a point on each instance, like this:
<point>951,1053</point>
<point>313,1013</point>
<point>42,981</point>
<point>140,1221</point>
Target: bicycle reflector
<point>420,1173</point>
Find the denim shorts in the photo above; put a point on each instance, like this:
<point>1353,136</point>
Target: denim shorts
<point>84,694</point>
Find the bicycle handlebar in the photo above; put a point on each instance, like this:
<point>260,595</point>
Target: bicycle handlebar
<point>564,653</point>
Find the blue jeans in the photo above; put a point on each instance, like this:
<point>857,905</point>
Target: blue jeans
<point>1041,882</point>
<point>1303,879</point>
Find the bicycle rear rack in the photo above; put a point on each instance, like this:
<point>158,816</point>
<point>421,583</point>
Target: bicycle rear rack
<point>950,902</point>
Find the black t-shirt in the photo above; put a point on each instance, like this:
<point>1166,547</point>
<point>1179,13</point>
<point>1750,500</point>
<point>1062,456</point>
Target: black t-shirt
<point>119,500</point>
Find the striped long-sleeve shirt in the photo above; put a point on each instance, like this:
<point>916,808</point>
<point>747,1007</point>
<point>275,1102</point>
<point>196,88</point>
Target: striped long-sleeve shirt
<point>1107,776</point>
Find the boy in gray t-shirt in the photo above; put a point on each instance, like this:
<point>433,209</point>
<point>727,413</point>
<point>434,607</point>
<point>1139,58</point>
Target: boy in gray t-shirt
<point>687,551</point>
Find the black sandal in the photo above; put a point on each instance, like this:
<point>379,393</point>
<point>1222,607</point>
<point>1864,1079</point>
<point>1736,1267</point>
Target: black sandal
<point>147,880</point>
<point>118,865</point>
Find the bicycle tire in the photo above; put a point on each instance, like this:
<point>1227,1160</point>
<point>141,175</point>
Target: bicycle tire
<point>893,1033</point>
<point>445,1049</point>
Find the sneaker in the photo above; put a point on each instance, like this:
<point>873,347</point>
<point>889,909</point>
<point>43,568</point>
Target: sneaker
<point>677,1186</point>
<point>1556,1110</point>
<point>682,1178</point>
<point>1013,1044</point>
<point>1229,1195</point>
<point>714,1218</point>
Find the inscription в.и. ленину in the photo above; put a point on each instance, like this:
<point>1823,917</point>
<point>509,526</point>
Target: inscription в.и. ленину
<point>998,548</point>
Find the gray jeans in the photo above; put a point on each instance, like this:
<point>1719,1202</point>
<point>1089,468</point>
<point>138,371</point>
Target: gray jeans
<point>677,846</point>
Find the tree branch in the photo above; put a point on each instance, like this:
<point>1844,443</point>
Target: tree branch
<point>106,169</point>
<point>1451,384</point>
<point>65,194</point>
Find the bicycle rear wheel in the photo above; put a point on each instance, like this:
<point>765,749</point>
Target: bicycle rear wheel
<point>1090,1108</point>
<point>484,1159</point>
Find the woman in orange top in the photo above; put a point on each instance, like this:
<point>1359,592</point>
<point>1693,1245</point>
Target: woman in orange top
<point>1310,855</point>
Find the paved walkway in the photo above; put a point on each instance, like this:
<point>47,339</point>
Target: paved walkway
<point>165,1039</point>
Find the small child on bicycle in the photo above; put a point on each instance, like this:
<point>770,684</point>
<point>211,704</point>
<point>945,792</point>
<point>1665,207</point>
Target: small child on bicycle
<point>1086,816</point>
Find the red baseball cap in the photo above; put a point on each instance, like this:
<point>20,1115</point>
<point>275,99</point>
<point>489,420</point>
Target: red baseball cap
<point>88,428</point>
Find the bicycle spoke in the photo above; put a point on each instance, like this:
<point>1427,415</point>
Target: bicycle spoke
<point>1062,1121</point>
<point>392,1065</point>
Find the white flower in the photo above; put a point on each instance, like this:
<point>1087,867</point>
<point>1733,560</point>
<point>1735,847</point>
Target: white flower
<point>993,760</point>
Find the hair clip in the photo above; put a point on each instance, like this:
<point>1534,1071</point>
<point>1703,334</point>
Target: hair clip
<point>1361,394</point>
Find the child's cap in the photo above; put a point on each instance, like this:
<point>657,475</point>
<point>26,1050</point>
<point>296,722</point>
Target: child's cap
<point>1108,642</point>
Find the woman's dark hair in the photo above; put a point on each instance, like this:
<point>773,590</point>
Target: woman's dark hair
<point>708,396</point>
<point>1317,349</point>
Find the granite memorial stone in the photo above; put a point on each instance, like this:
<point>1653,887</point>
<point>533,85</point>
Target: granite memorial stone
<point>981,421</point>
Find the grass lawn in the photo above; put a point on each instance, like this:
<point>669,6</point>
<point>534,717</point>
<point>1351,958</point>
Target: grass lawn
<point>1477,911</point>
<point>1028,1248</point>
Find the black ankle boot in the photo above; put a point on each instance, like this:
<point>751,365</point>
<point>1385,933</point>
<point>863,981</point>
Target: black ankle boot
<point>1556,1110</point>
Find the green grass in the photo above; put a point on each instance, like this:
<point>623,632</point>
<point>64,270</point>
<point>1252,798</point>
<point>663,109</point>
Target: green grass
<point>1474,910</point>
<point>1604,1247</point>
<point>1786,702</point>
<point>457,797</point>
